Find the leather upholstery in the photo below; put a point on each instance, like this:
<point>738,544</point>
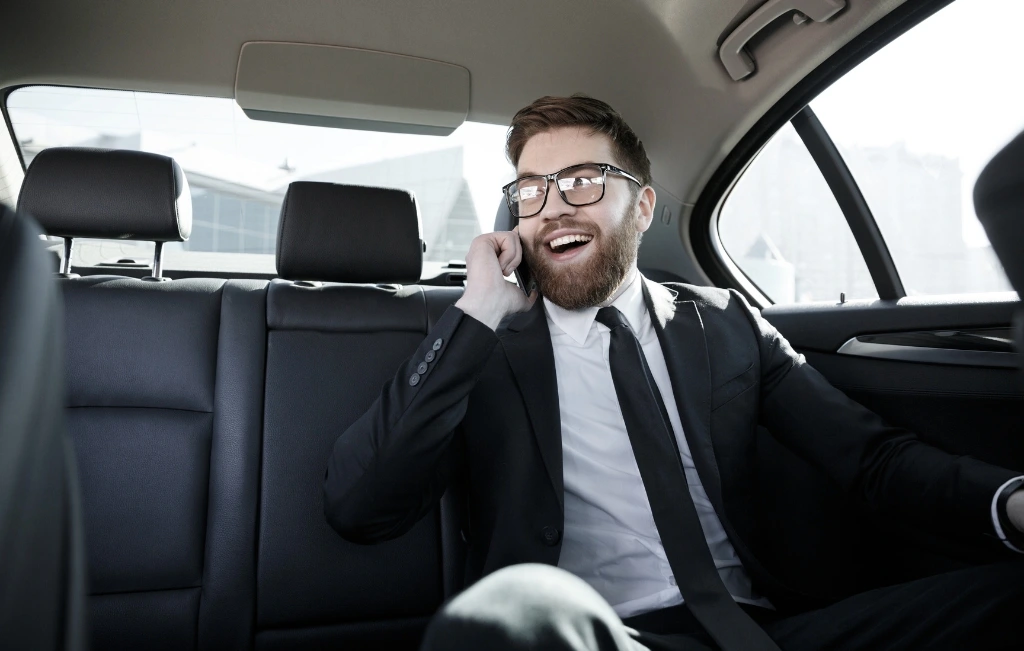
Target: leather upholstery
<point>42,580</point>
<point>229,569</point>
<point>503,219</point>
<point>391,634</point>
<point>179,394</point>
<point>345,308</point>
<point>202,413</point>
<point>348,233</point>
<point>142,344</point>
<point>329,349</point>
<point>165,399</point>
<point>999,202</point>
<point>108,194</point>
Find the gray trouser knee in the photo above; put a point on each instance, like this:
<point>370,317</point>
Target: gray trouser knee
<point>528,607</point>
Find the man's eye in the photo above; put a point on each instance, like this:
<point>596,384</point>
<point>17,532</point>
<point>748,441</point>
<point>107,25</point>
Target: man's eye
<point>529,192</point>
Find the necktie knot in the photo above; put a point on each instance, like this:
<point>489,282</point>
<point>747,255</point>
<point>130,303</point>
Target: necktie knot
<point>611,317</point>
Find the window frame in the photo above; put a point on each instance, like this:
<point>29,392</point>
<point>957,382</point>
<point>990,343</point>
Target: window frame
<point>795,107</point>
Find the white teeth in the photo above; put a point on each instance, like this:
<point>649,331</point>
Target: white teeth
<point>569,239</point>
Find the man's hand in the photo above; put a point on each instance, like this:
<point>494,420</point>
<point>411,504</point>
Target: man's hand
<point>489,297</point>
<point>1015,510</point>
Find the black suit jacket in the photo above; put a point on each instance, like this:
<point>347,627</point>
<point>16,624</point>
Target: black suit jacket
<point>484,416</point>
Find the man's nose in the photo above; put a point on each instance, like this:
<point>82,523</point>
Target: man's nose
<point>555,207</point>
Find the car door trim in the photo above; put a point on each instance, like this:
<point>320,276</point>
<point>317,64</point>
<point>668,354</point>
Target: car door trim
<point>928,355</point>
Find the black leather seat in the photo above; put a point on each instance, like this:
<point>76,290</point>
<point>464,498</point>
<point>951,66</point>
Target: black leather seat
<point>330,347</point>
<point>42,566</point>
<point>202,412</point>
<point>999,203</point>
<point>164,396</point>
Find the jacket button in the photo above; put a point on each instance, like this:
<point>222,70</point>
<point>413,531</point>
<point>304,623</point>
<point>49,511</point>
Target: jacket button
<point>414,379</point>
<point>551,536</point>
<point>437,344</point>
<point>422,368</point>
<point>430,356</point>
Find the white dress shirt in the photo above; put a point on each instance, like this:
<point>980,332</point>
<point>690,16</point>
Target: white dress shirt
<point>610,539</point>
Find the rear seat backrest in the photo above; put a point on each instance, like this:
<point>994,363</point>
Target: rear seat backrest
<point>330,347</point>
<point>165,402</point>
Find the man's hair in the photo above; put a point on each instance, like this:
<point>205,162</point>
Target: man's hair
<point>549,113</point>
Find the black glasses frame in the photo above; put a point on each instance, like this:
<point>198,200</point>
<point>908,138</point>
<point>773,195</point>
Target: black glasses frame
<point>548,178</point>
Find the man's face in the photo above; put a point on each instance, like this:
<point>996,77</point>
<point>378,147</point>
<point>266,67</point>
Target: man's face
<point>586,272</point>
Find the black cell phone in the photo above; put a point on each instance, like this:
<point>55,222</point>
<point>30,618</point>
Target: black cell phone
<point>523,275</point>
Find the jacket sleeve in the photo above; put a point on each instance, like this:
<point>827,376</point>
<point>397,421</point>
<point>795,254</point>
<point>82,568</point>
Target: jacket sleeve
<point>392,465</point>
<point>887,467</point>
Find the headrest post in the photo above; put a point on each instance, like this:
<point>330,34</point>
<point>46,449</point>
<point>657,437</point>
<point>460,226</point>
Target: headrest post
<point>65,265</point>
<point>158,261</point>
<point>158,264</point>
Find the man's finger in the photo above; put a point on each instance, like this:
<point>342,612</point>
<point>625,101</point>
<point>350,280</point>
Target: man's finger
<point>508,245</point>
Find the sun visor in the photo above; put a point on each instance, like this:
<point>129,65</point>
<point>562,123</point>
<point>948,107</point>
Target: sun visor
<point>350,88</point>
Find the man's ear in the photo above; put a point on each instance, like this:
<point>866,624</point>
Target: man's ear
<point>645,208</point>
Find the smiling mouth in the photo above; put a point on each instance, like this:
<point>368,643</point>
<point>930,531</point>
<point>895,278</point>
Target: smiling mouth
<point>569,242</point>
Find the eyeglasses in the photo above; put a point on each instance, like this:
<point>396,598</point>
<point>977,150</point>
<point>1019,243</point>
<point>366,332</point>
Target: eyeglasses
<point>579,185</point>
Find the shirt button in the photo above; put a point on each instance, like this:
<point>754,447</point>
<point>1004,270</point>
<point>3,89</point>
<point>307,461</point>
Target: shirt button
<point>430,356</point>
<point>551,536</point>
<point>437,344</point>
<point>422,368</point>
<point>414,379</point>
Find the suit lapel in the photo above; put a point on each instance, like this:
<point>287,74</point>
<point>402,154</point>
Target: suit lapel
<point>681,334</point>
<point>529,353</point>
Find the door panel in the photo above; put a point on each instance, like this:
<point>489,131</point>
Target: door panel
<point>977,411</point>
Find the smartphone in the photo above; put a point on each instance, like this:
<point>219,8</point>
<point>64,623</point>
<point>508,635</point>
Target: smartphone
<point>523,275</point>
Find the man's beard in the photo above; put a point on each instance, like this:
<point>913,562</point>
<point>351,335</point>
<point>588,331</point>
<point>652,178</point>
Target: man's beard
<point>575,286</point>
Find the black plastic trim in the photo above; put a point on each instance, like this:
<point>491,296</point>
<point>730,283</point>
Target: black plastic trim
<point>851,201</point>
<point>874,38</point>
<point>7,121</point>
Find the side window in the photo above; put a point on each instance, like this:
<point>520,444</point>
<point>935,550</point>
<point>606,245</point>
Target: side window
<point>915,124</point>
<point>784,229</point>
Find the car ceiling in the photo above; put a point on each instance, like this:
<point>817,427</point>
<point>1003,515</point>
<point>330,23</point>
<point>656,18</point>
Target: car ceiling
<point>654,60</point>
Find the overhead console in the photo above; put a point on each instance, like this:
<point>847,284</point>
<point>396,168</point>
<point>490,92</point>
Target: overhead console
<point>351,88</point>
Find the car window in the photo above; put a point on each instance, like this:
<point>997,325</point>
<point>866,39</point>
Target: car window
<point>915,124</point>
<point>239,169</point>
<point>783,228</point>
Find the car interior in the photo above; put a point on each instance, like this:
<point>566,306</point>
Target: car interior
<point>224,316</point>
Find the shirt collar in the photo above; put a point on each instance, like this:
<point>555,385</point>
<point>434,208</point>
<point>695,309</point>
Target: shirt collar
<point>576,323</point>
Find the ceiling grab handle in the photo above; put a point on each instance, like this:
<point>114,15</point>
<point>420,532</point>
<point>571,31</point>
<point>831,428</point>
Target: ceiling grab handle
<point>738,63</point>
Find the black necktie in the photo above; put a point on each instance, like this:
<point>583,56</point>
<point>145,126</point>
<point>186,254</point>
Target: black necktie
<point>661,468</point>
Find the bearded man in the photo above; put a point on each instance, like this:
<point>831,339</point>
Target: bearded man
<point>603,441</point>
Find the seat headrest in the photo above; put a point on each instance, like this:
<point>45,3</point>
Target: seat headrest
<point>999,204</point>
<point>349,234</point>
<point>503,219</point>
<point>107,194</point>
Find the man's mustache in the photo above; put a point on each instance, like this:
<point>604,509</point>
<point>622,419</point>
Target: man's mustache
<point>586,227</point>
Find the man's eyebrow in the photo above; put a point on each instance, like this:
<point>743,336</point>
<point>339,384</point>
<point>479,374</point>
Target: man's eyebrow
<point>526,173</point>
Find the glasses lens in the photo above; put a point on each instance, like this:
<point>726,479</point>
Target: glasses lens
<point>527,196</point>
<point>581,185</point>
